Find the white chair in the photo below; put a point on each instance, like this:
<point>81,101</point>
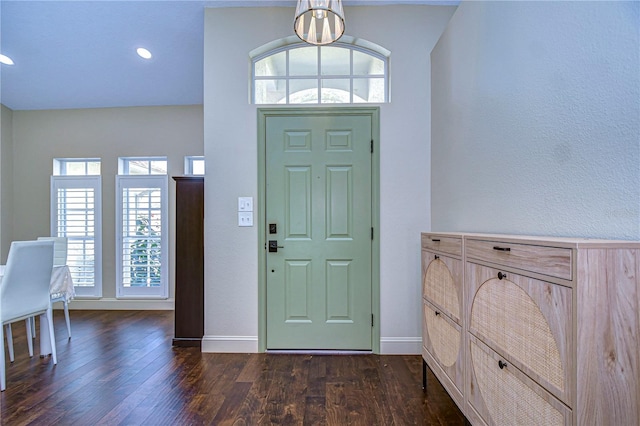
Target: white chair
<point>24,291</point>
<point>59,249</point>
<point>60,259</point>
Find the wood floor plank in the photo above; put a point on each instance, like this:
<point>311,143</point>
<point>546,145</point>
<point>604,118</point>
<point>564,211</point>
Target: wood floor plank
<point>317,376</point>
<point>251,370</point>
<point>373,390</point>
<point>315,412</point>
<point>119,368</point>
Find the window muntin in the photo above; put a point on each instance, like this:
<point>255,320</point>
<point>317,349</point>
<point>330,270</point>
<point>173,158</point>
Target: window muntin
<point>76,213</point>
<point>302,74</point>
<point>142,242</point>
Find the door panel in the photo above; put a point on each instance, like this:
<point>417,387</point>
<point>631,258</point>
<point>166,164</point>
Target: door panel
<point>298,202</point>
<point>297,291</point>
<point>339,292</point>
<point>318,193</point>
<point>339,203</point>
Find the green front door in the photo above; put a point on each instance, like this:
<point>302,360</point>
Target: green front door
<point>318,208</point>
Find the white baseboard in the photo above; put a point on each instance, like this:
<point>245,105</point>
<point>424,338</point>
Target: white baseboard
<point>400,345</point>
<point>110,304</point>
<point>230,344</point>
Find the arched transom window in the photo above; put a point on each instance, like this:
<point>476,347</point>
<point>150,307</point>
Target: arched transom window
<point>302,74</point>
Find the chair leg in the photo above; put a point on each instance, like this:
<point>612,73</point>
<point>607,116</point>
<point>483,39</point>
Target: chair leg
<point>10,342</point>
<point>66,317</point>
<point>3,380</point>
<point>28,322</point>
<point>33,327</point>
<point>52,335</point>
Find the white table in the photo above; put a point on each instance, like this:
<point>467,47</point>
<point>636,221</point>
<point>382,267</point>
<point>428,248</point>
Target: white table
<point>61,287</point>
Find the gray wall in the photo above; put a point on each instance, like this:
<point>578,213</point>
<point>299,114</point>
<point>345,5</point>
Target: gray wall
<point>231,253</point>
<point>6,181</point>
<point>108,133</point>
<point>536,119</point>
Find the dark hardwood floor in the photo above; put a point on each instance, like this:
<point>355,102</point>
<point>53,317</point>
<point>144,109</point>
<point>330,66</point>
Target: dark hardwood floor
<point>119,368</point>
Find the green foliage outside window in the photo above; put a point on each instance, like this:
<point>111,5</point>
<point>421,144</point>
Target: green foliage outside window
<point>145,255</point>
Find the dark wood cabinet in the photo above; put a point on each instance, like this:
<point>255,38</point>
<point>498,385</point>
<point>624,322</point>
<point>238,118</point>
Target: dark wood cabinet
<point>189,293</point>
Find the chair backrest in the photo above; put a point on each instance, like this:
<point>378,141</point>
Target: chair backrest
<point>24,290</point>
<point>59,249</point>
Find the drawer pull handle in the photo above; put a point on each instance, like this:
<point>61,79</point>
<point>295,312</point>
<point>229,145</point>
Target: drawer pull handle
<point>501,248</point>
<point>502,364</point>
<point>501,275</point>
<point>436,257</point>
<point>435,240</point>
<point>437,313</point>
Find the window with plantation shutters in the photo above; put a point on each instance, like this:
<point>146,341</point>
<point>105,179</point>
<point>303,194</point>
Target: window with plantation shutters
<point>142,246</point>
<point>76,209</point>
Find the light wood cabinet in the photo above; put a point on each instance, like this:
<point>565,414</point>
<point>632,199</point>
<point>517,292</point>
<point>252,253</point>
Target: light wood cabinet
<point>442,297</point>
<point>551,330</point>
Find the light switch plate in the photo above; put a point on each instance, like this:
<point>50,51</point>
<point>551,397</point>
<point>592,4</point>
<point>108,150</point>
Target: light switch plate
<point>245,204</point>
<point>245,218</point>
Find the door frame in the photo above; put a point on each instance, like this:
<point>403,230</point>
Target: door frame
<point>263,115</point>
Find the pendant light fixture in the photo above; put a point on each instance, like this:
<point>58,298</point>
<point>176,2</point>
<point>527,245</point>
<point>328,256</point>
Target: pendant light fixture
<point>319,22</point>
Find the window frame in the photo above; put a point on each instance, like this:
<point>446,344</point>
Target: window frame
<point>143,181</point>
<point>287,78</point>
<point>124,165</point>
<point>60,166</point>
<point>82,182</point>
<point>189,161</point>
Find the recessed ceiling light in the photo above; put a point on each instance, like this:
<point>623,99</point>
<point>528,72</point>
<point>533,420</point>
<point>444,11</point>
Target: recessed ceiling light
<point>5,60</point>
<point>143,53</point>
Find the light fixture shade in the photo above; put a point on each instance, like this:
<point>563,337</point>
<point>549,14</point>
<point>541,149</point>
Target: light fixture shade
<point>319,21</point>
<point>143,53</point>
<point>5,60</point>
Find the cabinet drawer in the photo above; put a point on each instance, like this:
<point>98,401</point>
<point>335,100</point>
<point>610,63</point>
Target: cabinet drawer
<point>503,395</point>
<point>551,261</point>
<point>527,321</point>
<point>442,244</point>
<point>443,339</point>
<point>442,283</point>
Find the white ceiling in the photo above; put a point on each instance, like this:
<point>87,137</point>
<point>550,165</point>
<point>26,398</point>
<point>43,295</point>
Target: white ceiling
<point>81,54</point>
